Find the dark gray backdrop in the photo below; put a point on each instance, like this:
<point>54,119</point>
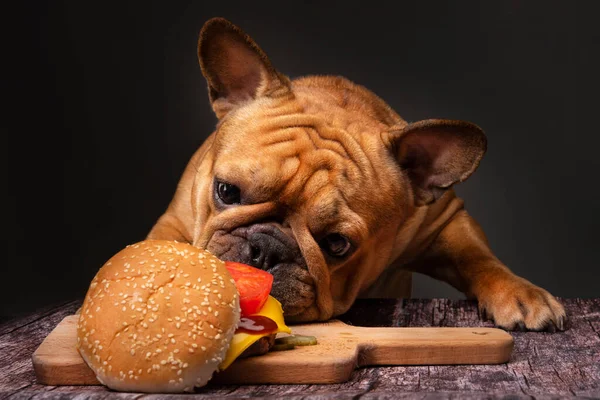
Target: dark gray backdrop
<point>106,104</point>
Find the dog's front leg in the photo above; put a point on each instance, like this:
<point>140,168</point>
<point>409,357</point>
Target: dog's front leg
<point>177,222</point>
<point>169,227</point>
<point>461,256</point>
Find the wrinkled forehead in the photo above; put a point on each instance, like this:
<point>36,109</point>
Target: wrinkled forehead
<point>277,145</point>
<point>326,159</point>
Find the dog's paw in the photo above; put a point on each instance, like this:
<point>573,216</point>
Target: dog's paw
<point>516,304</point>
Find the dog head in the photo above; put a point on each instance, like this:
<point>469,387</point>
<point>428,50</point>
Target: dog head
<point>313,180</point>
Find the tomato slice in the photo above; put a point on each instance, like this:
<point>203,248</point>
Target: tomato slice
<point>253,284</point>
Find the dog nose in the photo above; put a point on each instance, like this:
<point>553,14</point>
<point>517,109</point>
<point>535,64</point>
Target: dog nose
<point>265,250</point>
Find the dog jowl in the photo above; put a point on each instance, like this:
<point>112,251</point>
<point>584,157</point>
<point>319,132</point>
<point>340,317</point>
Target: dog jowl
<point>318,181</point>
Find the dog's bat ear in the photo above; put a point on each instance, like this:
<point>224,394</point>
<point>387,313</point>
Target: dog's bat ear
<point>436,154</point>
<point>236,69</point>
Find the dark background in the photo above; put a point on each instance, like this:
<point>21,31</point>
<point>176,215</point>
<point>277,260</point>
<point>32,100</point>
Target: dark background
<point>105,104</point>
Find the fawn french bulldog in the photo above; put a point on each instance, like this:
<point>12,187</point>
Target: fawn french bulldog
<point>318,181</point>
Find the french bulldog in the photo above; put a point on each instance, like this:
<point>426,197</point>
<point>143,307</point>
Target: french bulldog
<point>318,181</point>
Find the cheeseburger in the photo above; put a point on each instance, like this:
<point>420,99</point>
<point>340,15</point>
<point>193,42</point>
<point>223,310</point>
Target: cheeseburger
<point>163,316</point>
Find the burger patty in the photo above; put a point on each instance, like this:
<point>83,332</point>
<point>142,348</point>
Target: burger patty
<point>260,347</point>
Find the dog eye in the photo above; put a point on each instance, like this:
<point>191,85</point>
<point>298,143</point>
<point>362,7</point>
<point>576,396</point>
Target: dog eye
<point>336,245</point>
<point>228,193</point>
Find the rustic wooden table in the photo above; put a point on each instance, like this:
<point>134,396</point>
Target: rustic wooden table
<point>543,365</point>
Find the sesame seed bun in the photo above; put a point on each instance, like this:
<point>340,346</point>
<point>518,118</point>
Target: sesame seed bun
<point>158,317</point>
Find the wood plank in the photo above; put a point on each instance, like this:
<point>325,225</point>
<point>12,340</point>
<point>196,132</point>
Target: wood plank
<point>13,324</point>
<point>17,346</point>
<point>575,354</point>
<point>340,349</point>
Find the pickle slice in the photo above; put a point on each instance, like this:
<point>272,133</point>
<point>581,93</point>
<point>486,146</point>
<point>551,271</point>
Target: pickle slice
<point>297,340</point>
<point>282,347</point>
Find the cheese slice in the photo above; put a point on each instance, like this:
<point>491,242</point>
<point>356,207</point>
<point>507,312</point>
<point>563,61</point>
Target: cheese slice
<point>241,341</point>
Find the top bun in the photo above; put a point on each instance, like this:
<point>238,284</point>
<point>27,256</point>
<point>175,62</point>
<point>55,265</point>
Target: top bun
<point>158,317</point>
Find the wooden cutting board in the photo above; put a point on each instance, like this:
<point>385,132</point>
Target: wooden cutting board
<point>341,348</point>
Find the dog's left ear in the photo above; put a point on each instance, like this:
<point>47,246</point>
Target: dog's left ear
<point>436,154</point>
<point>235,68</point>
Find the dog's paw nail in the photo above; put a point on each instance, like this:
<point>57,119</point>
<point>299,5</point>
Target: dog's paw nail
<point>561,324</point>
<point>521,326</point>
<point>483,314</point>
<point>551,327</point>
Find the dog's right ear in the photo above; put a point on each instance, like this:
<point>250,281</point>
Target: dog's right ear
<point>436,154</point>
<point>236,69</point>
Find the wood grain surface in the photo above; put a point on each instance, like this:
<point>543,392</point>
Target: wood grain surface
<point>340,349</point>
<point>543,365</point>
